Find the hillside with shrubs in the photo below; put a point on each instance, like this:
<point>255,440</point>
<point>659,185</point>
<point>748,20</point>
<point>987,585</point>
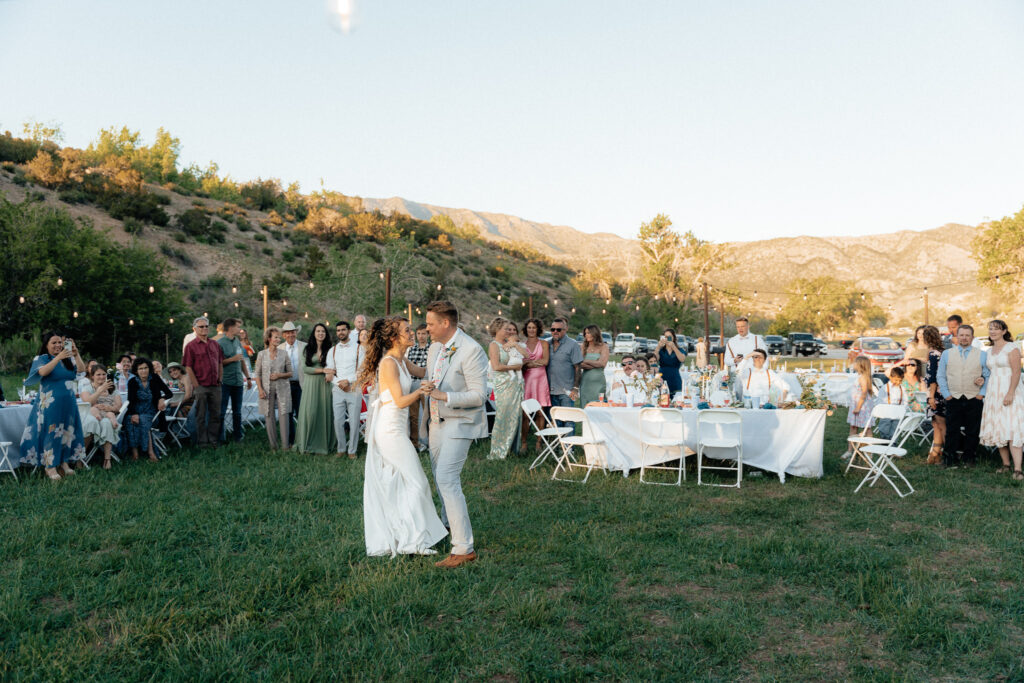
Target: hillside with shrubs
<point>122,245</point>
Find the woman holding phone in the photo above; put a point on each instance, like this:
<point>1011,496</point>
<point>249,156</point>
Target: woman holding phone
<point>53,436</point>
<point>670,359</point>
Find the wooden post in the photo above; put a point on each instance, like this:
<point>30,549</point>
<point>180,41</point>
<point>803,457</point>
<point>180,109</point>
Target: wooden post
<point>408,314</point>
<point>707,327</point>
<point>925,305</point>
<point>721,335</point>
<point>266,309</point>
<point>387,292</point>
<point>531,306</point>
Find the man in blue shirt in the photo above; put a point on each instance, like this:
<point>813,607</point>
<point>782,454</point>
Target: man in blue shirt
<point>962,378</point>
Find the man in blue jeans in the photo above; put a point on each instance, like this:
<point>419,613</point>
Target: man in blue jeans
<point>232,384</point>
<point>563,366</point>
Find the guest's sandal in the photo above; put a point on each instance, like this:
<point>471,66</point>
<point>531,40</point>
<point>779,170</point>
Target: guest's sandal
<point>53,474</point>
<point>1018,475</point>
<point>1003,470</point>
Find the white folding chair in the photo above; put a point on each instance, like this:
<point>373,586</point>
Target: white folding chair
<point>83,413</point>
<point>857,442</point>
<point>719,429</point>
<point>881,456</point>
<point>923,433</point>
<point>663,428</point>
<point>548,435</point>
<point>157,436</point>
<point>5,459</point>
<point>118,427</point>
<point>251,407</point>
<point>591,444</point>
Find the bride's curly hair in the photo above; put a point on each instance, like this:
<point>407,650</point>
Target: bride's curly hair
<point>384,334</point>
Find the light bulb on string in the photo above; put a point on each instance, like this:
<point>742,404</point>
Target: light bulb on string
<point>439,288</point>
<point>75,314</point>
<point>545,305</point>
<point>131,322</point>
<point>152,289</point>
<point>171,320</point>
<point>478,317</point>
<point>21,299</point>
<point>499,297</point>
<point>997,279</point>
<point>603,311</point>
<point>607,302</point>
<point>499,311</point>
<point>556,302</point>
<point>236,304</point>
<point>60,281</point>
<point>573,309</point>
<point>205,314</point>
<point>381,275</point>
<point>284,302</point>
<point>234,290</point>
<point>306,316</point>
<point>311,284</point>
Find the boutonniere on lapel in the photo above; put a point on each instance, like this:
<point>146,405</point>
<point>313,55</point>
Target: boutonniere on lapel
<point>451,352</point>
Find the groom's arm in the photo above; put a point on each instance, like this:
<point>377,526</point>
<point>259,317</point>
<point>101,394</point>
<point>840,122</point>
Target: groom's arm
<point>475,372</point>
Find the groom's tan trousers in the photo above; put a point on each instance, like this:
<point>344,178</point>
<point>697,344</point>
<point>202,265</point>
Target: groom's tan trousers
<point>447,456</point>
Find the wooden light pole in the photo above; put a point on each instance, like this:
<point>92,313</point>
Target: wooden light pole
<point>707,327</point>
<point>387,291</point>
<point>266,308</point>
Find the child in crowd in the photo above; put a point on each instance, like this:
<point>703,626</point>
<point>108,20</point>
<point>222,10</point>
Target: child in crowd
<point>862,399</point>
<point>893,393</point>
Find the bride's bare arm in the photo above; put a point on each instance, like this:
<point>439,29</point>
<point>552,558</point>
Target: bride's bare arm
<point>389,381</point>
<point>415,370</point>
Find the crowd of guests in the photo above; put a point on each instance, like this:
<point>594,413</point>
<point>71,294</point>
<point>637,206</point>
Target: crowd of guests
<point>971,393</point>
<point>310,399</point>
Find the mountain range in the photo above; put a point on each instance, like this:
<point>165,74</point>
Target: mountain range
<point>893,267</point>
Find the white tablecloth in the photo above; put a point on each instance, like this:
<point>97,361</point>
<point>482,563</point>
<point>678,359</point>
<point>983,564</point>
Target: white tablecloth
<point>12,426</point>
<point>780,441</point>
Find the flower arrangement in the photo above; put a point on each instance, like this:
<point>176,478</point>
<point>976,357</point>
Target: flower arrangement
<point>812,394</point>
<point>647,386</point>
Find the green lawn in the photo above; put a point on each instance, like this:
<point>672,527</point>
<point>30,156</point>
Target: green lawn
<point>237,564</point>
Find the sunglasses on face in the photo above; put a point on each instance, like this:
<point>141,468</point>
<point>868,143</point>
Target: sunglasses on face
<point>558,329</point>
<point>201,327</point>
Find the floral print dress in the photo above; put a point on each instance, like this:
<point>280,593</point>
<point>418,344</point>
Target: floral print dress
<point>53,435</point>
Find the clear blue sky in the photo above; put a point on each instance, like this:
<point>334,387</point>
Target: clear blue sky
<point>738,119</point>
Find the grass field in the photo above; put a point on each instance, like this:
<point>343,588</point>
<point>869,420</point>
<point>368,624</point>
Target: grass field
<point>239,564</point>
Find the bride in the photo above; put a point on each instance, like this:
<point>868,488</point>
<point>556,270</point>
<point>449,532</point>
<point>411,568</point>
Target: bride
<point>398,509</point>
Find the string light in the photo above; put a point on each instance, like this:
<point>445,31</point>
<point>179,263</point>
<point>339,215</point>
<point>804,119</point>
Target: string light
<point>21,299</point>
<point>311,284</point>
<point>603,311</point>
<point>284,302</point>
<point>236,304</point>
<point>381,275</point>
<point>205,314</point>
<point>234,290</point>
<point>573,309</point>
<point>499,297</point>
<point>306,316</point>
<point>75,314</point>
<point>60,281</point>
<point>152,289</point>
<point>171,320</point>
<point>439,288</point>
<point>556,302</point>
<point>131,322</point>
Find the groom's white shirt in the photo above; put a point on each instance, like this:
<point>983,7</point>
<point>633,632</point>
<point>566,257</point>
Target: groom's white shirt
<point>464,380</point>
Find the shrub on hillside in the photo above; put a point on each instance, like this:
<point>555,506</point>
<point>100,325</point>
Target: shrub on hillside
<point>17,150</point>
<point>269,251</point>
<point>195,223</point>
<point>74,196</point>
<point>143,206</point>
<point>133,226</point>
<point>243,224</point>
<point>259,238</point>
<point>262,194</point>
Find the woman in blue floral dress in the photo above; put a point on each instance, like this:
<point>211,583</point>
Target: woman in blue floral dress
<point>53,435</point>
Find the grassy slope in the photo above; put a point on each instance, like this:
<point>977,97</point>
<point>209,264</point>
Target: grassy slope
<point>461,270</point>
<point>241,564</point>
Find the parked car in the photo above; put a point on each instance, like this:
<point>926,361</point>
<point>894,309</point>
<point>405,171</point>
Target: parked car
<point>846,343</point>
<point>644,345</point>
<point>687,344</point>
<point>883,352</point>
<point>715,345</point>
<point>606,337</point>
<point>546,336</point>
<point>802,344</point>
<point>625,343</point>
<point>776,344</point>
<point>822,346</point>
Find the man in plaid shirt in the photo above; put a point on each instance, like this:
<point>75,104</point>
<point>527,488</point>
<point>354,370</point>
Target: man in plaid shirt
<point>417,354</point>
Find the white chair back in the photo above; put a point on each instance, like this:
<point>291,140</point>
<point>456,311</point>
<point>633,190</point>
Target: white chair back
<point>718,424</point>
<point>885,411</point>
<point>662,422</point>
<point>574,415</point>
<point>83,409</point>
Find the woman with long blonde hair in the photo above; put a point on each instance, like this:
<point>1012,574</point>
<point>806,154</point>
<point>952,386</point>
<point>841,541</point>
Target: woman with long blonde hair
<point>506,360</point>
<point>862,398</point>
<point>595,358</point>
<point>398,509</point>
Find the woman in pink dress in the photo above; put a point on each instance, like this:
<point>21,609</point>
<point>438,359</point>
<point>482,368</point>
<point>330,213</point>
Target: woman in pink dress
<point>535,374</point>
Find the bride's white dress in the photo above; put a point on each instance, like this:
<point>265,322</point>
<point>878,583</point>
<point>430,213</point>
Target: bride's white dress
<point>398,509</point>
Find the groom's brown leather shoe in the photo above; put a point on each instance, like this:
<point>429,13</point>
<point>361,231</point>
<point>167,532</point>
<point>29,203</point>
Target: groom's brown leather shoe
<point>453,560</point>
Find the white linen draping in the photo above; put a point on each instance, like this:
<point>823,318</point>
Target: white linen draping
<point>12,427</point>
<point>780,441</point>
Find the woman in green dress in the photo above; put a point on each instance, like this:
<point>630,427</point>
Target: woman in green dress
<point>595,357</point>
<point>314,429</point>
<point>506,356</point>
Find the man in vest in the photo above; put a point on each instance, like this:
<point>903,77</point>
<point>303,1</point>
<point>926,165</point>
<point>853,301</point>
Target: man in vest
<point>963,376</point>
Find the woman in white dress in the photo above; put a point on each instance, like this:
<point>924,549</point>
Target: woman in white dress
<point>398,510</point>
<point>1002,419</point>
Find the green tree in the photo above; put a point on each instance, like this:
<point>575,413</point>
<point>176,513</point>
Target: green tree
<point>818,304</point>
<point>60,267</point>
<point>40,132</point>
<point>999,250</point>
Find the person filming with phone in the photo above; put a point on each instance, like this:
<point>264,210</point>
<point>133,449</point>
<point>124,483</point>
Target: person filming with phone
<point>670,359</point>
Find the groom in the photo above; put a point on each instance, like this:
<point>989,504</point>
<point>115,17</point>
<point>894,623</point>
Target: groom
<point>457,370</point>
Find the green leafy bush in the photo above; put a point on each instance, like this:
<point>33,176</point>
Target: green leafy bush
<point>133,226</point>
<point>259,238</point>
<point>269,251</point>
<point>74,196</point>
<point>241,246</point>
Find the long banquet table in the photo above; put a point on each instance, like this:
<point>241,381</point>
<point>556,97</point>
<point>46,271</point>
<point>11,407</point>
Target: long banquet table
<point>780,441</point>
